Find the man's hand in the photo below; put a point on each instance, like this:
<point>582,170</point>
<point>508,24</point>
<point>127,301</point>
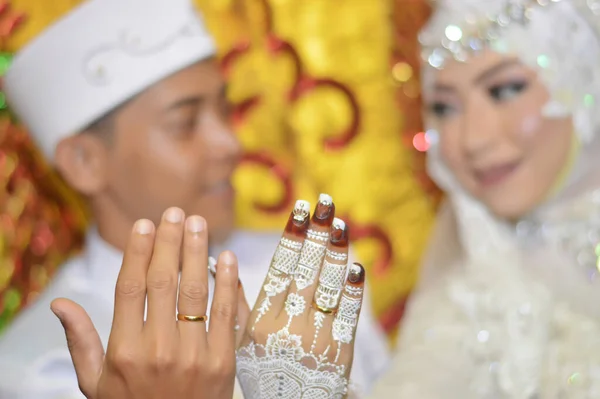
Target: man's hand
<point>168,355</point>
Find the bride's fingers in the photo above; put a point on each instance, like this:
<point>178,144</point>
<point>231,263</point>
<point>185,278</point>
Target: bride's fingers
<point>346,319</point>
<point>331,281</point>
<point>274,290</point>
<point>313,250</point>
<point>333,272</point>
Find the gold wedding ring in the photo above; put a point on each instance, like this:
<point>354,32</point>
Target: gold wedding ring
<point>323,309</point>
<point>185,317</point>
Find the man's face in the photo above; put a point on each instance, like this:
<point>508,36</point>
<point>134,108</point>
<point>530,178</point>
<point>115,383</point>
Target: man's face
<point>172,146</point>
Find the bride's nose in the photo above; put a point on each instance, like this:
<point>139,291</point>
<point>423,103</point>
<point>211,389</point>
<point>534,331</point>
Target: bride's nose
<point>481,128</point>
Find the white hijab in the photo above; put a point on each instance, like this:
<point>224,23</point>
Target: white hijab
<point>560,40</point>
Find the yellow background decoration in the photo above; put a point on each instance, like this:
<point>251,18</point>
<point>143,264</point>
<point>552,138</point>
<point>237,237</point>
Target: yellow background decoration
<point>373,177</point>
<point>296,68</point>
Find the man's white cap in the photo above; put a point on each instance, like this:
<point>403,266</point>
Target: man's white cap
<point>98,56</point>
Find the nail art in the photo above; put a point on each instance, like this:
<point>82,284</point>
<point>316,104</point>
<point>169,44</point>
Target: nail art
<point>356,275</point>
<point>324,211</point>
<point>346,319</point>
<point>299,219</point>
<point>339,233</point>
<point>333,274</point>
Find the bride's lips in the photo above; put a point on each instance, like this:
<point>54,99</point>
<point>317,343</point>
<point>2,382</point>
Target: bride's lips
<point>496,174</point>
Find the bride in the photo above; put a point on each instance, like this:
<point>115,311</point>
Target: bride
<point>507,304</point>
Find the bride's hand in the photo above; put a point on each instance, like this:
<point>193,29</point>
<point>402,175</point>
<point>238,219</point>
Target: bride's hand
<point>164,356</point>
<point>299,340</point>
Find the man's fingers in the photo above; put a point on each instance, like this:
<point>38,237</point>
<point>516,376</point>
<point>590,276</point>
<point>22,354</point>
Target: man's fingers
<point>130,291</point>
<point>193,286</point>
<point>283,265</point>
<point>346,319</point>
<point>163,274</point>
<point>221,333</point>
<point>83,342</point>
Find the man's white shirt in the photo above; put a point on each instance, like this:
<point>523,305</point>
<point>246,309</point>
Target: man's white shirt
<point>34,358</point>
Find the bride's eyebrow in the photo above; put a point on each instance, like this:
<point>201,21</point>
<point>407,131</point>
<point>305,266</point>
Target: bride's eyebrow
<point>490,72</point>
<point>442,87</point>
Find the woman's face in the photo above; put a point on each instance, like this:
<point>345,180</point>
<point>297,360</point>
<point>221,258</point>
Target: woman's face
<point>488,112</point>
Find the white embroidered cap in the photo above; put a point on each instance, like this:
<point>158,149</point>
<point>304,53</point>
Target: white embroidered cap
<point>97,57</point>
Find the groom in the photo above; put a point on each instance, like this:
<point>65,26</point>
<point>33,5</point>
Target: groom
<point>125,99</point>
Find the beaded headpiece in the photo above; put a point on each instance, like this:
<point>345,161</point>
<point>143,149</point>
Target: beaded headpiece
<point>559,38</point>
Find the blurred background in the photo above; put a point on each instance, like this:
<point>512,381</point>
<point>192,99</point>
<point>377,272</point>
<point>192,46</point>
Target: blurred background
<point>326,99</point>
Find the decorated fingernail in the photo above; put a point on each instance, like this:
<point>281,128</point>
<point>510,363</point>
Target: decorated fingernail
<point>339,233</point>
<point>301,211</point>
<point>324,211</point>
<point>346,319</point>
<point>333,271</point>
<point>299,219</point>
<point>356,274</point>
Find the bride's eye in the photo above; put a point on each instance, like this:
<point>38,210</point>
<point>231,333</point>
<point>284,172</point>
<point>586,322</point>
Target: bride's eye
<point>441,109</point>
<point>508,91</point>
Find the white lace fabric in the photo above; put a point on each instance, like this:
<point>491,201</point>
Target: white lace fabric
<point>282,369</point>
<point>505,311</point>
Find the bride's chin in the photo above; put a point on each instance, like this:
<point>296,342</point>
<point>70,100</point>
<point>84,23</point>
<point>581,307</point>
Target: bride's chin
<point>511,207</point>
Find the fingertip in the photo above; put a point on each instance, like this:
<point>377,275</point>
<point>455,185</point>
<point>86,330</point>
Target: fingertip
<point>356,274</point>
<point>339,233</point>
<point>228,258</point>
<point>299,219</point>
<point>227,267</point>
<point>143,227</point>
<point>62,306</point>
<point>174,215</point>
<point>56,307</point>
<point>195,224</point>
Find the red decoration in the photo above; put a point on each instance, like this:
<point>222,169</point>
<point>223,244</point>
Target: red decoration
<point>359,231</point>
<point>9,21</point>
<point>282,174</point>
<point>303,84</point>
<point>390,320</point>
<point>233,55</point>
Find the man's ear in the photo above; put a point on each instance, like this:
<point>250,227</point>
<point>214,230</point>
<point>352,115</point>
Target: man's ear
<point>82,160</point>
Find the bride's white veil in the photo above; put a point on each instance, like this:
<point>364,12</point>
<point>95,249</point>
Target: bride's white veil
<point>479,274</point>
<point>557,38</point>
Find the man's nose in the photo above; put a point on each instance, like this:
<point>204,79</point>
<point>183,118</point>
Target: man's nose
<point>222,140</point>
